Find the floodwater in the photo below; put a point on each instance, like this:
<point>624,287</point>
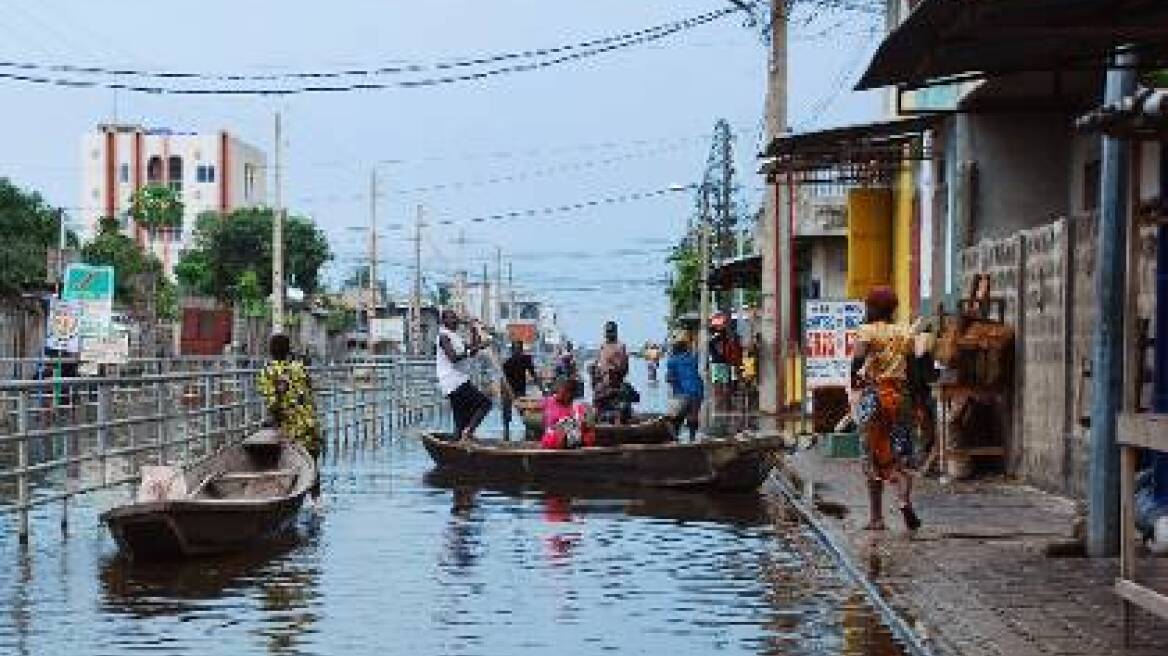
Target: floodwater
<point>401,562</point>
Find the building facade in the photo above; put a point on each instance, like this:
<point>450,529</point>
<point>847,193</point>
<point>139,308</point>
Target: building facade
<point>212,172</point>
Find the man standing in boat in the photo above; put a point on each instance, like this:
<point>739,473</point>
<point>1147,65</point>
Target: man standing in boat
<point>612,365</point>
<point>469,405</point>
<point>516,369</point>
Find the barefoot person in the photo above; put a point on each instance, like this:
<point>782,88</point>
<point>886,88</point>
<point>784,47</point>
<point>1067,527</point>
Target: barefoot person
<point>470,406</point>
<point>884,406</point>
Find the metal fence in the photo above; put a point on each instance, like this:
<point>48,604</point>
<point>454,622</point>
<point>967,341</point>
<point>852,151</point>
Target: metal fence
<point>66,437</point>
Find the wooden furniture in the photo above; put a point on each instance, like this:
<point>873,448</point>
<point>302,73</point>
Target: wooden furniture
<point>948,395</point>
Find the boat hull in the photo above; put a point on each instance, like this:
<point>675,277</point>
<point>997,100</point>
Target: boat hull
<point>235,517</point>
<point>723,465</point>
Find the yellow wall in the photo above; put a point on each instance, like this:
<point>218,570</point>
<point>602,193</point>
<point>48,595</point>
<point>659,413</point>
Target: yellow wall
<point>902,243</point>
<point>869,240</point>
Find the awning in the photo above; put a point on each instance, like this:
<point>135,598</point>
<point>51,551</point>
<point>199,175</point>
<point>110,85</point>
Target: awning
<point>856,153</point>
<point>1143,115</point>
<point>944,41</point>
<point>739,273</point>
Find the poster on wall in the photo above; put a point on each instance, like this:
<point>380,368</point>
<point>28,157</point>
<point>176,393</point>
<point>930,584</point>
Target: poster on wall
<point>829,340</point>
<point>64,329</point>
<point>111,348</point>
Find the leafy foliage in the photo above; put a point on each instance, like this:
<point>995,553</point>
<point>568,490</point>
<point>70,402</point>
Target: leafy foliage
<point>225,248</point>
<point>156,206</point>
<point>685,291</point>
<point>28,228</point>
<point>135,271</point>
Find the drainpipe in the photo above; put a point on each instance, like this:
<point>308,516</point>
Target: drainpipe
<point>1110,290</point>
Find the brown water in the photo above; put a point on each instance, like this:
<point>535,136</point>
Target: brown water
<point>400,562</point>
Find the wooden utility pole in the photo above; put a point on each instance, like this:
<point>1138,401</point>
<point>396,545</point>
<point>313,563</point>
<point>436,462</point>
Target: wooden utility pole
<point>775,290</point>
<point>372,309</point>
<point>416,296</point>
<point>498,286</point>
<point>460,276</point>
<point>278,242</point>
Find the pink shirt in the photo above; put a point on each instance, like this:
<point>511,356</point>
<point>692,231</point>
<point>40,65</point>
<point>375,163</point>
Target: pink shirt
<point>553,412</point>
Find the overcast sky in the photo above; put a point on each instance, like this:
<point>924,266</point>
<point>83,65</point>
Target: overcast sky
<point>629,121</point>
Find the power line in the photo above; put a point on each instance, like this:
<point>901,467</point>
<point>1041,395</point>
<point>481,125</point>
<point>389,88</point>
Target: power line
<point>44,74</point>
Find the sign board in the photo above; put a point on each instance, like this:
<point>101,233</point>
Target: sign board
<point>110,348</point>
<point>829,340</point>
<point>64,329</point>
<point>388,329</point>
<point>93,288</point>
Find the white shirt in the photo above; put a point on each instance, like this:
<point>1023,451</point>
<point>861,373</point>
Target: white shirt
<point>451,374</point>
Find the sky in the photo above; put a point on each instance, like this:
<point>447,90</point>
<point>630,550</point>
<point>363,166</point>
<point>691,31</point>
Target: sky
<point>625,122</point>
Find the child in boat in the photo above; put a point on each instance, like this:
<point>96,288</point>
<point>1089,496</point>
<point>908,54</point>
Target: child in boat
<point>567,424</point>
<point>287,392</point>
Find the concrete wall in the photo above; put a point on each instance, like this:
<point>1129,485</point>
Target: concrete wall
<point>1022,174</point>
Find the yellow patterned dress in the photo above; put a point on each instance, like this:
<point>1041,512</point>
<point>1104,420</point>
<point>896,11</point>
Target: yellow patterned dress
<point>287,391</point>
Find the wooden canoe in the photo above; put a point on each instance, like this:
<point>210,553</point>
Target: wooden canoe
<point>726,464</point>
<point>241,495</point>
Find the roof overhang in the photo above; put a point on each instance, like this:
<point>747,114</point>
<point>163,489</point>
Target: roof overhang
<point>948,41</point>
<point>853,153</point>
<point>739,273</point>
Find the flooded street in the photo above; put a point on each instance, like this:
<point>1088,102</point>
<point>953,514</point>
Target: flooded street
<point>401,562</point>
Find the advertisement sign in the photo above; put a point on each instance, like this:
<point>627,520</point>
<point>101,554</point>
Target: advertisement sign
<point>388,329</point>
<point>64,329</point>
<point>111,348</point>
<point>93,288</point>
<point>829,339</point>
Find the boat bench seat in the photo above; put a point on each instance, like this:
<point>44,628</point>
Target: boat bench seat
<point>258,475</point>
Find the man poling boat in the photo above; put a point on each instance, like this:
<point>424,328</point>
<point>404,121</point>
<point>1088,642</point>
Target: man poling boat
<point>468,404</point>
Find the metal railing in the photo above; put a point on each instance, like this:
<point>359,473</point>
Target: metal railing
<point>66,437</point>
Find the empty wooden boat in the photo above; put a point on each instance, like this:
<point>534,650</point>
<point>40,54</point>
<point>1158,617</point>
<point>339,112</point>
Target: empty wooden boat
<point>242,494</point>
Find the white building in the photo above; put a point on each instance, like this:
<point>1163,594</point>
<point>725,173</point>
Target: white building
<point>213,172</point>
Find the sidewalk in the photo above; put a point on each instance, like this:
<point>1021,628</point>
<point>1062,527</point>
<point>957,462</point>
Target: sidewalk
<point>975,580</point>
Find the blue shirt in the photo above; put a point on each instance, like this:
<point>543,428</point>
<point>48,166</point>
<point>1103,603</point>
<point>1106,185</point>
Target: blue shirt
<point>681,371</point>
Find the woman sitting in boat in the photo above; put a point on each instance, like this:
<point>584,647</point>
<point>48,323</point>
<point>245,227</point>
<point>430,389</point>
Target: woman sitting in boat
<point>287,392</point>
<point>567,424</point>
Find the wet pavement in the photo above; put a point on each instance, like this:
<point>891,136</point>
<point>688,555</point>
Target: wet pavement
<point>401,562</point>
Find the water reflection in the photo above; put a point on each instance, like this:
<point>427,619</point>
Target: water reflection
<point>406,564</point>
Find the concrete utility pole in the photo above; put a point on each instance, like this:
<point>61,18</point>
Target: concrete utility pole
<point>704,303</point>
<point>485,301</point>
<point>278,243</point>
<point>1110,290</point>
<point>372,258</point>
<point>416,297</point>
<point>770,315</point>
<point>499,295</point>
<point>460,276</point>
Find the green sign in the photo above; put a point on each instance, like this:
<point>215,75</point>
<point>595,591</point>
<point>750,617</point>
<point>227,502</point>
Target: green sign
<point>84,282</point>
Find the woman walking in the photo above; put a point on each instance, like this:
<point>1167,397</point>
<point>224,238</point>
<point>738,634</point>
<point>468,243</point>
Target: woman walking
<point>884,409</point>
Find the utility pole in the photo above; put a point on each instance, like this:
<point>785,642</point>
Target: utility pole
<point>498,286</point>
<point>704,305</point>
<point>485,301</point>
<point>771,245</point>
<point>416,297</point>
<point>278,243</point>
<point>460,276</point>
<point>372,309</point>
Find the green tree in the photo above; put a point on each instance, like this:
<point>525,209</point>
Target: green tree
<point>28,229</point>
<point>226,247</point>
<point>156,206</point>
<point>685,290</point>
<point>136,273</point>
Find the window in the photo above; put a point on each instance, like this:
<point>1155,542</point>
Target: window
<point>205,173</point>
<point>154,170</point>
<point>124,173</point>
<point>249,180</point>
<point>174,172</point>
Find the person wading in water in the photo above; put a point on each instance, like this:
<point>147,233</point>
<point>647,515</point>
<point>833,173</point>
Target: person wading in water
<point>287,392</point>
<point>470,406</point>
<point>612,365</point>
<point>883,409</point>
